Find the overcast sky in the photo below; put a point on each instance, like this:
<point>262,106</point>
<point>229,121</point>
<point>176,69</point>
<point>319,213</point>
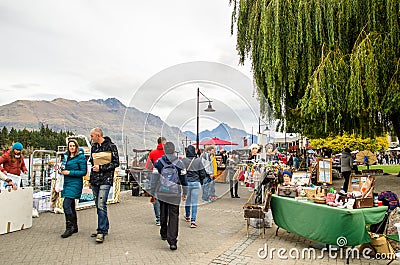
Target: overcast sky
<point>152,55</point>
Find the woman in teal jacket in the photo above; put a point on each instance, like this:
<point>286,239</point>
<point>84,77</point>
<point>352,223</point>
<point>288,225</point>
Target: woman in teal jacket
<point>74,167</point>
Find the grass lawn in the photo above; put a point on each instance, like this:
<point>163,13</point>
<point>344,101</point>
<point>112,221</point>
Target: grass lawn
<point>389,169</point>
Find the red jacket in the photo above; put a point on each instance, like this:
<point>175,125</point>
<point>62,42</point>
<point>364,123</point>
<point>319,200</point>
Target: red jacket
<point>12,167</point>
<point>155,155</point>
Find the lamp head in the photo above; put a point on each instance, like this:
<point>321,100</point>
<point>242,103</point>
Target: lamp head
<point>209,108</point>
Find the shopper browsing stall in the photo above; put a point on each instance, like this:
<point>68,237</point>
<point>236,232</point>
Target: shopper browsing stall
<point>12,160</point>
<point>346,164</point>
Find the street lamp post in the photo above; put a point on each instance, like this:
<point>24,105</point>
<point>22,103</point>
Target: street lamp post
<point>208,109</point>
<point>185,144</point>
<point>266,128</point>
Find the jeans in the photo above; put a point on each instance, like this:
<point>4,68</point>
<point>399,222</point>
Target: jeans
<point>156,208</point>
<point>206,189</point>
<point>211,191</point>
<point>100,193</point>
<point>69,206</point>
<point>192,199</point>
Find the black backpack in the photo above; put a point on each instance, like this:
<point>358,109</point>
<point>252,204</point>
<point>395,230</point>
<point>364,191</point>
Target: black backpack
<point>169,179</point>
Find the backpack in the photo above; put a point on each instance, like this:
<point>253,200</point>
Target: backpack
<point>389,199</point>
<point>169,179</point>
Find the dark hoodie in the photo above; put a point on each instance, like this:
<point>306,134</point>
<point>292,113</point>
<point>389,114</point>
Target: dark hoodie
<point>196,171</point>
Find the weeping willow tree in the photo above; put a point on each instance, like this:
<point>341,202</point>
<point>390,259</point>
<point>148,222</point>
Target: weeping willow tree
<point>324,66</point>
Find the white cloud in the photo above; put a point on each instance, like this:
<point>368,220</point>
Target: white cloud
<point>85,49</point>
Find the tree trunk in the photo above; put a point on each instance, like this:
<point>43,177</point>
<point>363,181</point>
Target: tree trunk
<point>396,124</point>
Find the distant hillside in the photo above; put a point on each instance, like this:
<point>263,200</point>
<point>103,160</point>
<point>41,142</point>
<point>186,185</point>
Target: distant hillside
<point>141,129</point>
<point>117,121</point>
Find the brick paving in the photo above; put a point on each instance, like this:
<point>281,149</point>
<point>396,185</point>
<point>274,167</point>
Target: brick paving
<point>220,238</point>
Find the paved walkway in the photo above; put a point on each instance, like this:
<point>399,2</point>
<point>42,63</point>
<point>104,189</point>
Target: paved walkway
<point>220,238</point>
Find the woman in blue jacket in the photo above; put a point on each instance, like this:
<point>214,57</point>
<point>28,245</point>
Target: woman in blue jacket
<point>75,167</point>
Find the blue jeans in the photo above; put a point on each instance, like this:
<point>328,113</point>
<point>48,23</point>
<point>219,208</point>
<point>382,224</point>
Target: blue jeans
<point>192,199</point>
<point>156,207</point>
<point>100,193</point>
<point>211,190</point>
<point>206,189</point>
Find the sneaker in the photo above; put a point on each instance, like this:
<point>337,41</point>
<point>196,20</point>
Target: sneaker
<point>187,218</point>
<point>193,225</point>
<point>158,222</point>
<point>173,247</point>
<point>100,238</point>
<point>163,238</point>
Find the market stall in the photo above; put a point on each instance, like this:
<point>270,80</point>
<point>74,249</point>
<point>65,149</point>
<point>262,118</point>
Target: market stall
<point>323,223</point>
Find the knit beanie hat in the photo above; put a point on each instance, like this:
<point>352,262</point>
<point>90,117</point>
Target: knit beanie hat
<point>287,173</point>
<point>169,148</point>
<point>17,146</point>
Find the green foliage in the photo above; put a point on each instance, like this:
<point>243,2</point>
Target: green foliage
<point>324,66</point>
<point>353,142</point>
<point>45,138</point>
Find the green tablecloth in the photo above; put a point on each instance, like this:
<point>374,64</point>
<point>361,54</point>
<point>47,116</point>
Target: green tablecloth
<point>323,223</point>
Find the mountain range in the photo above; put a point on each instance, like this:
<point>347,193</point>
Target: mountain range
<point>127,126</point>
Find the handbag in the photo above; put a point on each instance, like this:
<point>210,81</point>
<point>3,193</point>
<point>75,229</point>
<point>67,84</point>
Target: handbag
<point>241,176</point>
<point>288,191</point>
<point>252,210</point>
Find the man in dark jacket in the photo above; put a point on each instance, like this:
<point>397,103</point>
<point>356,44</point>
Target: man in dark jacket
<point>104,159</point>
<point>169,203</point>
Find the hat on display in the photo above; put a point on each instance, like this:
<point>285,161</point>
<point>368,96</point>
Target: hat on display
<point>285,172</point>
<point>17,146</point>
<point>169,148</point>
<point>254,146</point>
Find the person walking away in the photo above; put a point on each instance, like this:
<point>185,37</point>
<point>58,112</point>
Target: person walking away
<point>168,187</point>
<point>233,160</point>
<point>12,161</point>
<point>154,155</point>
<point>346,164</point>
<point>195,176</point>
<point>74,171</point>
<point>208,166</point>
<point>104,159</point>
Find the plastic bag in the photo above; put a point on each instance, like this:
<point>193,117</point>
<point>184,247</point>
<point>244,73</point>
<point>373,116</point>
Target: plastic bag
<point>59,183</point>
